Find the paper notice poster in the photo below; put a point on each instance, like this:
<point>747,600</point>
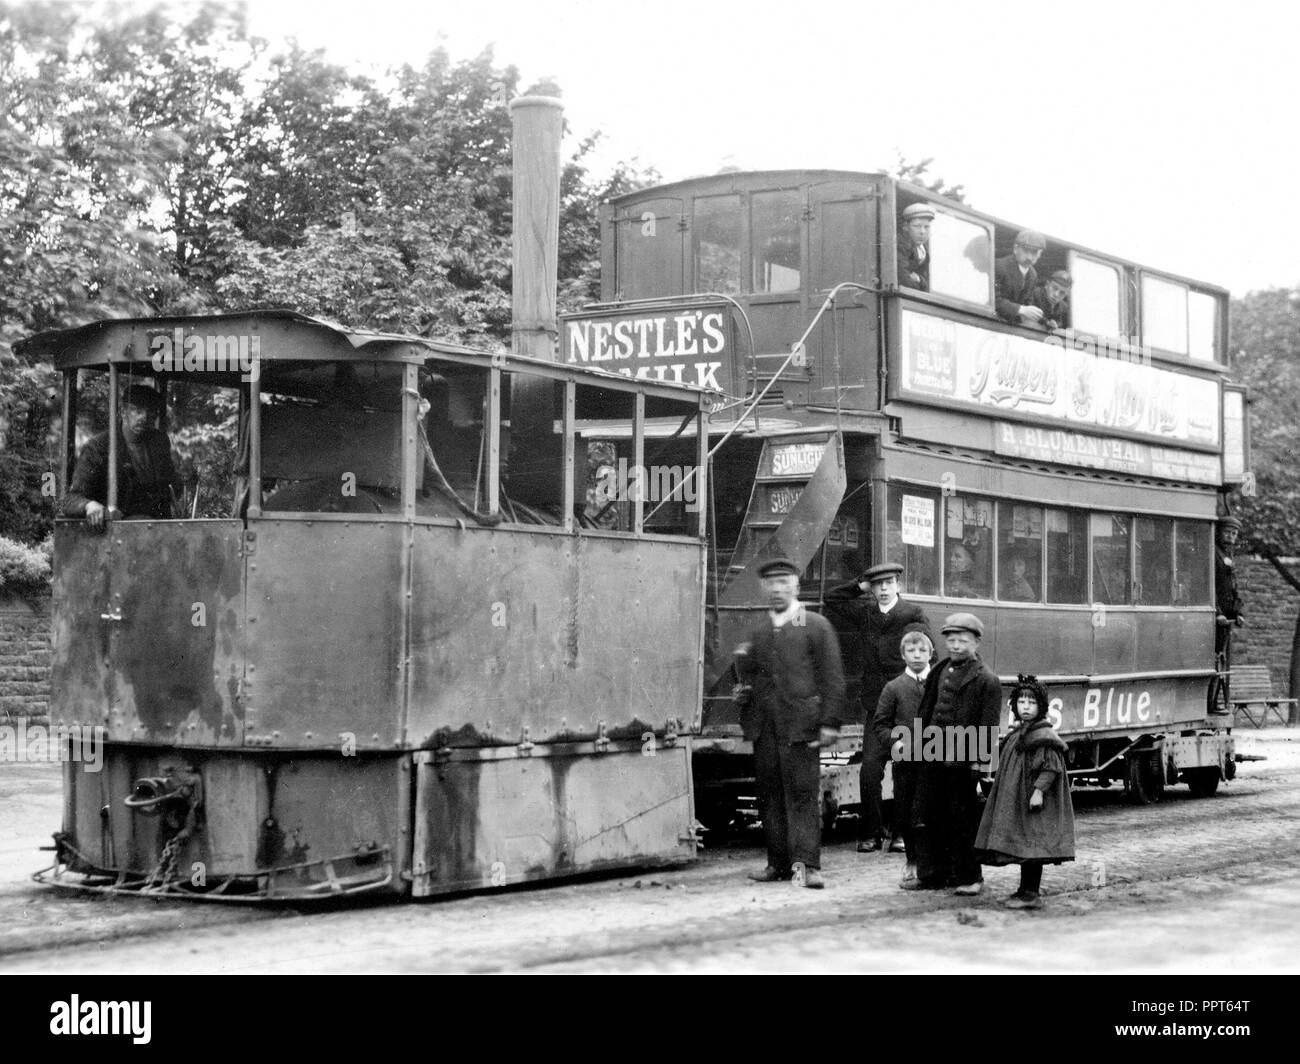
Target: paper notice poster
<point>918,521</point>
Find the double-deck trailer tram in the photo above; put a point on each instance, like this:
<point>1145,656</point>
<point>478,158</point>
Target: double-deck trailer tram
<point>1063,485</point>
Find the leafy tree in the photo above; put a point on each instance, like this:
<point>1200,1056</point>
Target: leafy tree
<point>1266,358</point>
<point>917,173</point>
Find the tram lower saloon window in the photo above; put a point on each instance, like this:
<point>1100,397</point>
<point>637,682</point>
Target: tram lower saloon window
<point>1065,541</point>
<point>968,547</point>
<point>1192,561</point>
<point>911,534</point>
<point>1110,564</point>
<point>1020,553</point>
<point>1155,561</point>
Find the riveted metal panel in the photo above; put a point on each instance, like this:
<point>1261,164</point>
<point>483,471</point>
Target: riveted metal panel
<point>80,674</point>
<point>548,635</point>
<point>325,633</point>
<point>493,822</point>
<point>173,624</point>
<point>260,811</point>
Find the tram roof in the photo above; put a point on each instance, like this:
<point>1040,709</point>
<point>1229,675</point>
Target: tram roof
<point>738,180</point>
<point>128,341</point>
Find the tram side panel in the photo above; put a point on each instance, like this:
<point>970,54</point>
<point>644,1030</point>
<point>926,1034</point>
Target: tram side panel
<point>551,676</point>
<point>148,622</point>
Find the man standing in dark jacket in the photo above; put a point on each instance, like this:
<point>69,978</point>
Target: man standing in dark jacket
<point>791,666</point>
<point>1227,600</point>
<point>146,477</point>
<point>873,605</point>
<point>1015,278</point>
<point>963,693</point>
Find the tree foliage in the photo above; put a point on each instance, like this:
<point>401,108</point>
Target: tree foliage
<point>918,173</point>
<point>157,163</point>
<point>1266,358</point>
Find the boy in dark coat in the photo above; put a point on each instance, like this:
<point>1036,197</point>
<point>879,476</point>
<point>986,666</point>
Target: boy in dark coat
<point>791,709</point>
<point>873,605</point>
<point>962,695</point>
<point>900,707</point>
<point>1029,819</point>
<point>914,247</point>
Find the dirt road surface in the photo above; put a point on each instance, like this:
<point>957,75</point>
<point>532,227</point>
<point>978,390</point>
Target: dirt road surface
<point>1189,885</point>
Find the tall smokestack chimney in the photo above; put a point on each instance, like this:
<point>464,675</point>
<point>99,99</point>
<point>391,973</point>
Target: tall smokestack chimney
<point>534,474</point>
<point>538,127</point>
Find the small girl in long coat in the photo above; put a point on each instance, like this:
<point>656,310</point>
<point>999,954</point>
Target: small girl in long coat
<point>1028,819</point>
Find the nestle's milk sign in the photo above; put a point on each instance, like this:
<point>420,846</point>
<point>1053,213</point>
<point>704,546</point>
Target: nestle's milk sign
<point>688,347</point>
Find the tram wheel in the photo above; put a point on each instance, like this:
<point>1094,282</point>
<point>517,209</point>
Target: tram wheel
<point>1202,782</point>
<point>1143,777</point>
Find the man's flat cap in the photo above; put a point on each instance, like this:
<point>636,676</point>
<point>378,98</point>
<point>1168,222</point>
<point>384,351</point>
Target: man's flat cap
<point>1031,238</point>
<point>1062,277</point>
<point>917,210</point>
<point>884,569</point>
<point>964,622</point>
<point>778,567</point>
<point>1228,521</point>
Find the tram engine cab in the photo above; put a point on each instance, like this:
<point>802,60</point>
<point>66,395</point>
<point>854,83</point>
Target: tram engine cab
<point>378,643</point>
<point>1058,473</point>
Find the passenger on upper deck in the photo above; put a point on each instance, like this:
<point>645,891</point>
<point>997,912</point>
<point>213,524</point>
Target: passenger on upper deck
<point>146,477</point>
<point>1015,278</point>
<point>1052,297</point>
<point>914,247</point>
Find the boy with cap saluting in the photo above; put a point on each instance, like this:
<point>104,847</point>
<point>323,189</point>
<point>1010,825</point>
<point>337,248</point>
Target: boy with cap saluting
<point>873,605</point>
<point>960,692</point>
<point>790,700</point>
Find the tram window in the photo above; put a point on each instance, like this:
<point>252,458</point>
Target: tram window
<point>649,251</point>
<point>961,259</point>
<point>1202,326</point>
<point>967,547</point>
<point>1065,534</point>
<point>776,240</point>
<point>1110,562</point>
<point>717,244</point>
<point>911,537</point>
<point>203,423</point>
<point>1191,563</point>
<point>1155,561</point>
<point>1164,315</point>
<point>1094,297</point>
<point>331,437</point>
<point>1020,555</point>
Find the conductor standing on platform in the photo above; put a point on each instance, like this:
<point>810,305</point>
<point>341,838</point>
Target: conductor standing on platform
<point>791,694</point>
<point>874,605</point>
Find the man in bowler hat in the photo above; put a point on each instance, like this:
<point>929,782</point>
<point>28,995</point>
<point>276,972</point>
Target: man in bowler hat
<point>791,695</point>
<point>873,604</point>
